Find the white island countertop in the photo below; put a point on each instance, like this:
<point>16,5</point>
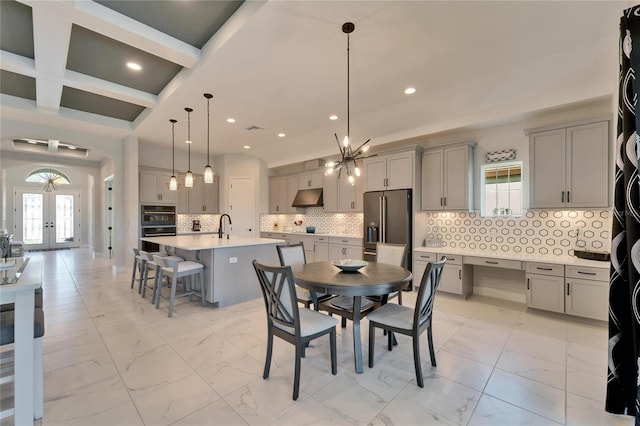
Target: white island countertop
<point>209,241</point>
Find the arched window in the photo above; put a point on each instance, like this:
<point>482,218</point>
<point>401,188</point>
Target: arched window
<point>51,178</point>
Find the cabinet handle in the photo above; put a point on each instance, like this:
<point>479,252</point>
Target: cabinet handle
<point>460,273</point>
<point>309,183</point>
<point>277,208</point>
<point>568,196</point>
<point>491,262</point>
<point>562,197</point>
<point>441,201</point>
<point>544,269</point>
<point>445,201</point>
<point>568,289</point>
<point>586,273</point>
<point>528,286</point>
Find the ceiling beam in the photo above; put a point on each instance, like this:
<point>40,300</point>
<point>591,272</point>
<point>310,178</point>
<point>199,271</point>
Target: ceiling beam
<point>17,64</point>
<point>112,90</point>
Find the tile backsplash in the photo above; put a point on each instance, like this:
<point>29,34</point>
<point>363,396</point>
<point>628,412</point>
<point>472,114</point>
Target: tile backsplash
<point>544,232</point>
<point>325,223</point>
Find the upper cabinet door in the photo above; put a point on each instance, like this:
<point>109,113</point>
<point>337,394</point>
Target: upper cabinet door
<point>330,193</point>
<point>212,196</point>
<point>309,180</point>
<point>196,195</point>
<point>274,194</point>
<point>375,173</point>
<point>400,171</point>
<point>166,196</point>
<point>547,152</point>
<point>291,184</point>
<point>587,174</point>
<point>456,178</point>
<point>149,187</point>
<point>432,180</point>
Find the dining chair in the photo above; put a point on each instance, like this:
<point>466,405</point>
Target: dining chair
<point>176,269</point>
<point>394,254</point>
<point>293,254</point>
<point>286,321</point>
<point>400,319</point>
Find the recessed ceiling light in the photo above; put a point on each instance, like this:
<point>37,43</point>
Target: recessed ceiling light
<point>410,90</point>
<point>71,147</point>
<point>134,66</point>
<point>231,120</point>
<point>333,117</point>
<point>281,135</point>
<point>246,147</point>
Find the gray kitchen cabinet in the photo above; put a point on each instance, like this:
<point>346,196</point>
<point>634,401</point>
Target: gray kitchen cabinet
<point>386,172</point>
<point>321,248</point>
<point>154,188</point>
<point>340,196</point>
<point>587,292</point>
<point>570,167</point>
<point>447,178</point>
<point>456,278</point>
<point>202,198</point>
<point>345,248</point>
<point>282,191</point>
<point>420,261</point>
<point>312,179</point>
<point>545,286</point>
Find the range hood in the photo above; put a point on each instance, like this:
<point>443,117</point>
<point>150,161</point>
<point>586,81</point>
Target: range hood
<point>308,198</point>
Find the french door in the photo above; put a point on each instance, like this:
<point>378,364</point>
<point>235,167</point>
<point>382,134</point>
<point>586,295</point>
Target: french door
<point>47,220</point>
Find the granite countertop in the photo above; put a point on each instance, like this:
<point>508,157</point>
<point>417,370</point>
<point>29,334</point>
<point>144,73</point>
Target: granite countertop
<point>209,241</point>
<point>563,260</point>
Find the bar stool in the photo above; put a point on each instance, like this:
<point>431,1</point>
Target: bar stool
<point>147,263</point>
<point>136,265</point>
<point>178,269</point>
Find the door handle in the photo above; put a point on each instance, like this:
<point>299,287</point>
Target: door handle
<point>568,289</point>
<point>562,197</point>
<point>568,196</point>
<point>528,286</point>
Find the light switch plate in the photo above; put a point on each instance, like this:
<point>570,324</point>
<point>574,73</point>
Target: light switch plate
<point>233,260</point>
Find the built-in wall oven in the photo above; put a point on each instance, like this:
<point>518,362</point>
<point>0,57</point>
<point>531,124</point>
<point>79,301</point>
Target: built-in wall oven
<point>157,221</point>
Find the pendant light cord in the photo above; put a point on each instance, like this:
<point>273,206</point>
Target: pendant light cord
<point>189,136</point>
<point>348,91</point>
<point>173,148</point>
<point>208,134</point>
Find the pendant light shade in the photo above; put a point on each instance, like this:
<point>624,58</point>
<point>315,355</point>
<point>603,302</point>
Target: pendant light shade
<point>173,182</point>
<point>188,179</point>
<point>348,156</point>
<point>208,170</point>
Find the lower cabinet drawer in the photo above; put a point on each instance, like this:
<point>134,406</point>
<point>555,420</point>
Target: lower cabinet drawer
<point>496,263</point>
<point>587,273</point>
<point>544,268</point>
<point>424,256</point>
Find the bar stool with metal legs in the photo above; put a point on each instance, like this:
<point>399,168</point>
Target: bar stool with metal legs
<point>147,264</point>
<point>136,265</point>
<point>178,269</point>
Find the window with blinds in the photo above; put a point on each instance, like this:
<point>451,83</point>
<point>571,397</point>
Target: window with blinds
<point>501,187</point>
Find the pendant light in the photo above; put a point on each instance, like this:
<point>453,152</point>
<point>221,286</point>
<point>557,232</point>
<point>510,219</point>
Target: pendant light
<point>173,182</point>
<point>348,156</point>
<point>188,179</point>
<point>208,170</point>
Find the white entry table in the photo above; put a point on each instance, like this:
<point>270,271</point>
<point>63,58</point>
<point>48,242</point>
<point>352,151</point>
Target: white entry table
<point>17,286</point>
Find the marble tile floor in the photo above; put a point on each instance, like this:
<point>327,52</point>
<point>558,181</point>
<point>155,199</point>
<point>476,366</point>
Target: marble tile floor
<point>111,358</point>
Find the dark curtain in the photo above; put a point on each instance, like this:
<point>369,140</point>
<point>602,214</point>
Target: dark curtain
<point>624,291</point>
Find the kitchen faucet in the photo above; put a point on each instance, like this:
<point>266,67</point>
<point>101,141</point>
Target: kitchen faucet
<point>221,224</point>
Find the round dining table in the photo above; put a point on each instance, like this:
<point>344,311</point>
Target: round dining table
<point>375,279</point>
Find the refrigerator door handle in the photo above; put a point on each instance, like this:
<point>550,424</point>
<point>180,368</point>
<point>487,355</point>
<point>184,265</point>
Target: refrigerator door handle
<point>381,218</point>
<point>384,219</point>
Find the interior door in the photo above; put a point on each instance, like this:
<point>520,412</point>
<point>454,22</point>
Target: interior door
<point>47,220</point>
<point>241,206</point>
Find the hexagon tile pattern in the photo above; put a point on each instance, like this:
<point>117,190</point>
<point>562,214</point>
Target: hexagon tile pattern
<point>544,232</point>
<point>325,223</point>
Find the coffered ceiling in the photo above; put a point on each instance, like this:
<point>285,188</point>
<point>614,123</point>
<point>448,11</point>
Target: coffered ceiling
<point>280,67</point>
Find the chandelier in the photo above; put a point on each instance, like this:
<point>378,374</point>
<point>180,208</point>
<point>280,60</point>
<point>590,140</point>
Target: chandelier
<point>348,155</point>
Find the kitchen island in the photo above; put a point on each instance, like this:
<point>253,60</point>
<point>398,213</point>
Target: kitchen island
<point>228,273</point>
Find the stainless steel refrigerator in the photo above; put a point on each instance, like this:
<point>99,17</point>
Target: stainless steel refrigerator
<point>387,219</point>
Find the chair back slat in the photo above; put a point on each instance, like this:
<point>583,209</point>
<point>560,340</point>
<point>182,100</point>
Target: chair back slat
<point>292,254</point>
<point>278,290</point>
<point>428,286</point>
<point>394,254</point>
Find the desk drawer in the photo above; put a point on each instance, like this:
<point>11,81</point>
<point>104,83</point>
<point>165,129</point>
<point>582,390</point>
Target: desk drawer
<point>320,239</point>
<point>587,273</point>
<point>452,259</point>
<point>425,257</point>
<point>493,262</point>
<point>545,268</point>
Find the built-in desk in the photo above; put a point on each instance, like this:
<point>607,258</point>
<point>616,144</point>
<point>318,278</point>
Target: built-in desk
<point>563,284</point>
